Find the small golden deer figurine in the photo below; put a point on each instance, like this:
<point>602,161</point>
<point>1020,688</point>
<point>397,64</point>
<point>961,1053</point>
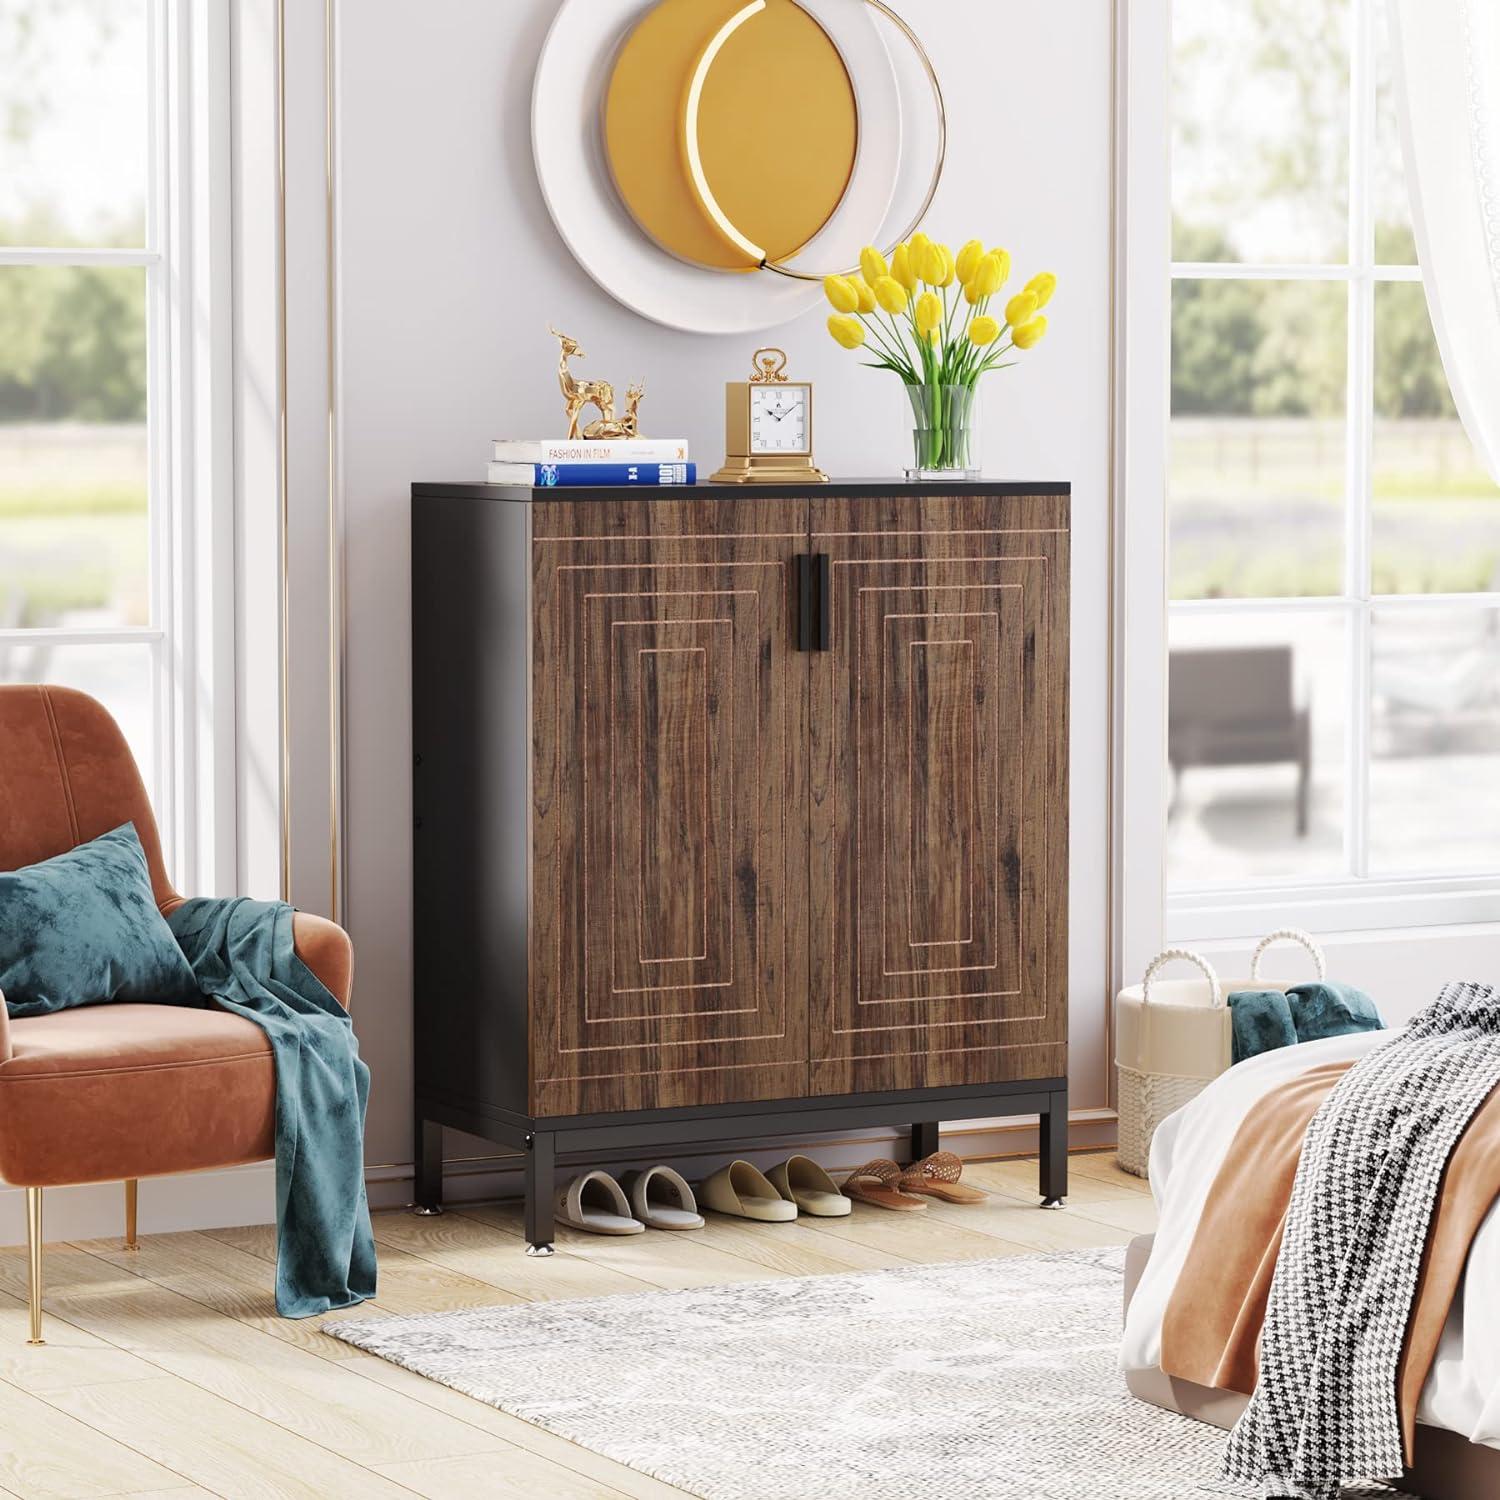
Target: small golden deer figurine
<point>578,394</point>
<point>628,426</point>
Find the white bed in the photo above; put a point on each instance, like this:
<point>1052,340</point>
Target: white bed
<point>1462,1392</point>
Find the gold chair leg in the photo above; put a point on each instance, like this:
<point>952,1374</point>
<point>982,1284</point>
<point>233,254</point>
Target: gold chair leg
<point>34,1261</point>
<point>132,1192</point>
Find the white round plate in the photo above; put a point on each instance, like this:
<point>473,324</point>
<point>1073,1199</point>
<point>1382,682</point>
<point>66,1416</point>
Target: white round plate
<point>566,101</point>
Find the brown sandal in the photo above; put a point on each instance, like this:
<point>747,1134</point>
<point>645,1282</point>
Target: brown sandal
<point>937,1176</point>
<point>875,1183</point>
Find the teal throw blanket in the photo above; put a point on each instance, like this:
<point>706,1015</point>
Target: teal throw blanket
<point>241,953</point>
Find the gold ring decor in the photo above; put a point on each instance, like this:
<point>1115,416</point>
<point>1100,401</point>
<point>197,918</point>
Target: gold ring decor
<point>740,168</point>
<point>938,161</point>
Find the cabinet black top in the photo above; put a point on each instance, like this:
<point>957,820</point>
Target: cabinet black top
<point>846,488</point>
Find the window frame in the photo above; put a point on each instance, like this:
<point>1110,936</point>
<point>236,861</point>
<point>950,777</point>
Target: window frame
<point>187,264</point>
<point>1355,900</point>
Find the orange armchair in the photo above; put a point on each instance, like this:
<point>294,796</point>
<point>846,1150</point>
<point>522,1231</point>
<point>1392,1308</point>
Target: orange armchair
<point>106,1093</point>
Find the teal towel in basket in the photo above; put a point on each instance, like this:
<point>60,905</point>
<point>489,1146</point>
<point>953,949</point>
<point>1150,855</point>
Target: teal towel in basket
<point>1260,1021</point>
<point>1322,1008</point>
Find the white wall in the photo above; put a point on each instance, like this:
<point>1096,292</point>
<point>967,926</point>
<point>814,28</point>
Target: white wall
<point>450,271</point>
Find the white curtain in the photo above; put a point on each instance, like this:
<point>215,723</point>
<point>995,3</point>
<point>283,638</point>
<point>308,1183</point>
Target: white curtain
<point>1448,88</point>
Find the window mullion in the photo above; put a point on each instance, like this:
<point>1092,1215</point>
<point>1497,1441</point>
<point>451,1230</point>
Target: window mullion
<point>1359,434</point>
<point>158,418</point>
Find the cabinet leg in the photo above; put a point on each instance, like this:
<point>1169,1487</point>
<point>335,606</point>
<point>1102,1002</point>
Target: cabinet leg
<point>428,1197</point>
<point>1054,1154</point>
<point>541,1161</point>
<point>924,1139</point>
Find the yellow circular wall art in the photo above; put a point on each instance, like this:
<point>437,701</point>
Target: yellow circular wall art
<point>731,129</point>
<point>681,140</point>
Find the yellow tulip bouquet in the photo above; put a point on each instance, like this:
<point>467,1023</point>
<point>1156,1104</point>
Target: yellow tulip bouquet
<point>939,340</point>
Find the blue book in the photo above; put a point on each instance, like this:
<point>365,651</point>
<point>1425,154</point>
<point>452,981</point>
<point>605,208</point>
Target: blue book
<point>545,476</point>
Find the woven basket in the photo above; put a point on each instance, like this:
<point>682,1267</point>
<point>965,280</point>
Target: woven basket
<point>1173,1038</point>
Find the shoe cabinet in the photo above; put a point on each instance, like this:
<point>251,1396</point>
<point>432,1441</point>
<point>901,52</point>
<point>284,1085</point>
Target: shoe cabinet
<point>739,813</point>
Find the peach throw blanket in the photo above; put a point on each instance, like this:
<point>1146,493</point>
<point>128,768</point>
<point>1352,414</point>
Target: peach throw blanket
<point>1211,1331</point>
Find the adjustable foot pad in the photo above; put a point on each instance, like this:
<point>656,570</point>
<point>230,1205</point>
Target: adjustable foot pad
<point>541,1249</point>
<point>1054,1202</point>
<point>427,1210</point>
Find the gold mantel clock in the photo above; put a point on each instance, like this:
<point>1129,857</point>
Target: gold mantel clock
<point>768,427</point>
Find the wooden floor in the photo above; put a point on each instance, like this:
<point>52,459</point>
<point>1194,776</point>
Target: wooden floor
<point>167,1371</point>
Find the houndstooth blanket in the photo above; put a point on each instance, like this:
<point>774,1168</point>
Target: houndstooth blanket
<point>1324,1411</point>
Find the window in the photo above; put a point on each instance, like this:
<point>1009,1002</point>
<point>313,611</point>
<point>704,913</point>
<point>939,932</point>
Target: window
<point>96,313</point>
<point>1333,542</point>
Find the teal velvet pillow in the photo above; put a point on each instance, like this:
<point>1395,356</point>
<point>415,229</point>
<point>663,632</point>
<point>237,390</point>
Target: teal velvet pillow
<point>83,927</point>
<point>1325,1008</point>
<point>1260,1021</point>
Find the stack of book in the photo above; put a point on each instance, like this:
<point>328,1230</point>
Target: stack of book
<point>577,461</point>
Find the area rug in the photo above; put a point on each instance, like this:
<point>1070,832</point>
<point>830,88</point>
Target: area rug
<point>982,1380</point>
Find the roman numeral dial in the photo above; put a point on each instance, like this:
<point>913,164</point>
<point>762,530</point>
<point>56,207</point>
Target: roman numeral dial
<point>778,419</point>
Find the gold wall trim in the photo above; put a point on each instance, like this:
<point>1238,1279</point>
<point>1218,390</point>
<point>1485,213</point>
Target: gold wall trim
<point>337,576</point>
<point>283,506</point>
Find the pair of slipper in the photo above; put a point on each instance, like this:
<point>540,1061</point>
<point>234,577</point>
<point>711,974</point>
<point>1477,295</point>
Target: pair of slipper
<point>885,1185</point>
<point>659,1198</point>
<point>797,1185</point>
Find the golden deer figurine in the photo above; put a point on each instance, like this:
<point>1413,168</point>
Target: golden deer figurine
<point>578,394</point>
<point>627,426</point>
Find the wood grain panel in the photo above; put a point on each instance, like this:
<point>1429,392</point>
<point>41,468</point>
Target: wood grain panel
<point>938,785</point>
<point>668,951</point>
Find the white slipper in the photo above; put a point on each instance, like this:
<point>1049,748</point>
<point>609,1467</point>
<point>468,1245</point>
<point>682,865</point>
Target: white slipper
<point>661,1199</point>
<point>741,1189</point>
<point>800,1180</point>
<point>595,1202</point>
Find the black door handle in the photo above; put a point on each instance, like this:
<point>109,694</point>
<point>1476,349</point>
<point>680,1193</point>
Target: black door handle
<point>805,604</point>
<point>812,601</point>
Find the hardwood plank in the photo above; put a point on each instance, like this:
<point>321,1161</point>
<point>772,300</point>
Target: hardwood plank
<point>318,1399</point>
<point>1023,1226</point>
<point>546,1445</point>
<point>219,1277</point>
<point>1137,1216</point>
<point>178,1492</point>
<point>797,1248</point>
<point>1104,1166</point>
<point>1019,1180</point>
<point>218,1445</point>
<point>70,1356</point>
<point>238,1284</point>
<point>49,1454</point>
<point>661,1258</point>
<point>919,1236</point>
<point>516,1475</point>
<point>490,1255</point>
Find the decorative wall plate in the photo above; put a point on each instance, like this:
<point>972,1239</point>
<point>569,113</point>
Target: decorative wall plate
<point>794,155</point>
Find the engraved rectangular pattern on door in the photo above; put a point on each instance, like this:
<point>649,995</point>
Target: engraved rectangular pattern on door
<point>667,967</point>
<point>938,723</point>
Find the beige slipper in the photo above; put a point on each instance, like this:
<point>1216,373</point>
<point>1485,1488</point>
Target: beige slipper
<point>661,1199</point>
<point>742,1190</point>
<point>875,1183</point>
<point>800,1180</point>
<point>937,1176</point>
<point>596,1203</point>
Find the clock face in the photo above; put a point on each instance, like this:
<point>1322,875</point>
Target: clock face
<point>779,419</point>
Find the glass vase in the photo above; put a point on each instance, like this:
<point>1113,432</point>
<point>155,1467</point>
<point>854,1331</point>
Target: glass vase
<point>945,432</point>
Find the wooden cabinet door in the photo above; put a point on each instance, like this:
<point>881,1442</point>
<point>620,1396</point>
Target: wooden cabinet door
<point>668,951</point>
<point>938,723</point>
